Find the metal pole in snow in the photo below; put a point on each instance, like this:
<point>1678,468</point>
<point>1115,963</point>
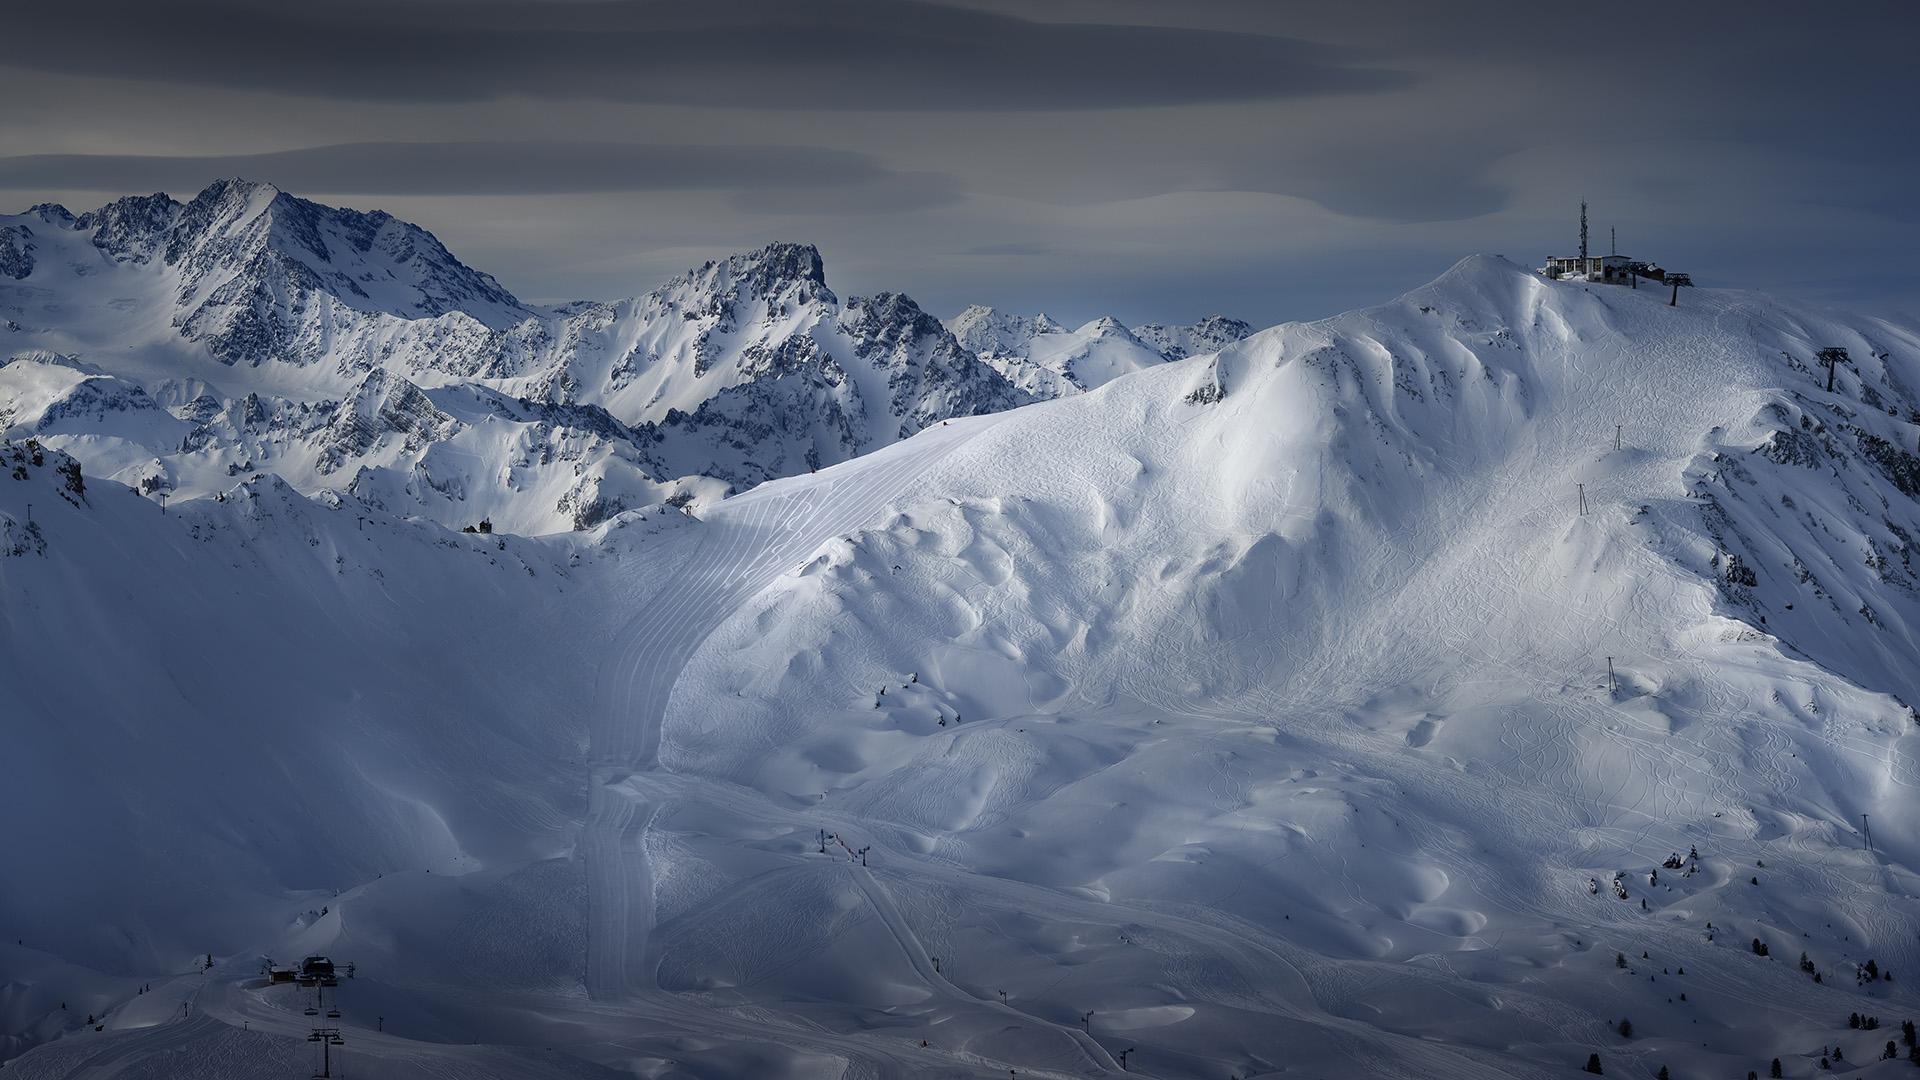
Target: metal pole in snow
<point>1610,683</point>
<point>1868,830</point>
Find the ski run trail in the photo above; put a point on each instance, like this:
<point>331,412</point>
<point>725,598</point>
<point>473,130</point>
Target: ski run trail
<point>1286,711</point>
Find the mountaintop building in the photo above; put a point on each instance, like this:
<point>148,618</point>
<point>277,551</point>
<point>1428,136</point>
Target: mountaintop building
<point>1611,269</point>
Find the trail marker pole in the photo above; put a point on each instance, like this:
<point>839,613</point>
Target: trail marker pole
<point>1611,685</point>
<point>1868,830</point>
<point>1583,499</point>
<point>1616,435</point>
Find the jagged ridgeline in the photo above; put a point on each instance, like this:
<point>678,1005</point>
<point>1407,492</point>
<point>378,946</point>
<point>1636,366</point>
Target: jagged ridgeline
<point>179,346</point>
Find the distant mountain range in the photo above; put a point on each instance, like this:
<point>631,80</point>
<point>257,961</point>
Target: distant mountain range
<point>176,346</point>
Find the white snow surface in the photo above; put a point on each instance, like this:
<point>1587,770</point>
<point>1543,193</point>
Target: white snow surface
<point>1248,715</point>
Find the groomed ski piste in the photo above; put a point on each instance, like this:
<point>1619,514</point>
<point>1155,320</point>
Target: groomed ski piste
<point>1248,716</point>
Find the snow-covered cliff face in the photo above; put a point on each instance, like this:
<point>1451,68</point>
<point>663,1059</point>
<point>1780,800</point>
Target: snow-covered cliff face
<point>1211,334</point>
<point>328,345</point>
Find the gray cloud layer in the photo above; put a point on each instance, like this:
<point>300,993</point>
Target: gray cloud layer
<point>768,54</point>
<point>1156,158</point>
<point>809,178</point>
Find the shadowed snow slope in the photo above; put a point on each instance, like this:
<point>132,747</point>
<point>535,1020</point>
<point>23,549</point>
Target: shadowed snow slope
<point>1249,714</point>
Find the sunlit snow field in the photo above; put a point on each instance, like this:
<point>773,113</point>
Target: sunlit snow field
<point>1249,715</point>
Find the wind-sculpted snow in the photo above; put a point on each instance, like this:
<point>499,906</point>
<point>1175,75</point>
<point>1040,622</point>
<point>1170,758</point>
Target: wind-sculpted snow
<point>1291,703</point>
<point>1420,692</point>
<point>742,370</point>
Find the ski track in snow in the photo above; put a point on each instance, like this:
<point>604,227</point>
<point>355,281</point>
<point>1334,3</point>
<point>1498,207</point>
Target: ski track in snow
<point>761,535</point>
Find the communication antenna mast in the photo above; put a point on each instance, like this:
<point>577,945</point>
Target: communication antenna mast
<point>1613,240</point>
<point>1583,232</point>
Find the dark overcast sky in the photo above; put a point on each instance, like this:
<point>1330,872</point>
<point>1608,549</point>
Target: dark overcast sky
<point>1156,159</point>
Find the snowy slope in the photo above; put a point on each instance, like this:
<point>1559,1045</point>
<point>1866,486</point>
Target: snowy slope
<point>1280,692</point>
<point>1249,715</point>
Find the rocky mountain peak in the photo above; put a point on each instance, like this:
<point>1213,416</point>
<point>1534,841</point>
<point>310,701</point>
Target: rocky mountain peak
<point>1210,334</point>
<point>132,229</point>
<point>892,317</point>
<point>788,272</point>
<point>370,262</point>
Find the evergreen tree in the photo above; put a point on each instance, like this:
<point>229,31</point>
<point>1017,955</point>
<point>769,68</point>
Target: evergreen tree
<point>1626,1029</point>
<point>1663,1074</point>
<point>1593,1064</point>
<point>1776,1069</point>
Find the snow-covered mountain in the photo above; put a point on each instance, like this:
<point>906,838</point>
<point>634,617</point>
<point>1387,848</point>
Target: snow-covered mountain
<point>1443,689</point>
<point>336,348</point>
<point>1048,360</point>
<point>1211,334</point>
<point>990,332</point>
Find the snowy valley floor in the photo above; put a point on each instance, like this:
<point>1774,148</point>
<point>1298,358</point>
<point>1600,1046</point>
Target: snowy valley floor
<point>1249,716</point>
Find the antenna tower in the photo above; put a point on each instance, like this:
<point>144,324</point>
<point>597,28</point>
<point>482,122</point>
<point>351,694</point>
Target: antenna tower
<point>1583,232</point>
